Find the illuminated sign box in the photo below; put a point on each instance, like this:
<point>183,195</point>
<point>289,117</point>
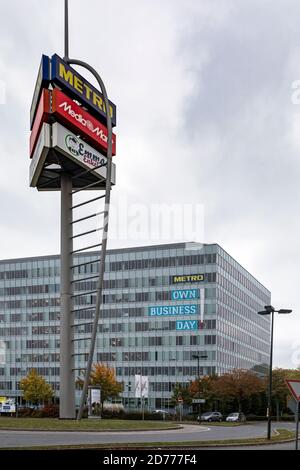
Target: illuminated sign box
<point>79,88</point>
<point>169,310</point>
<point>42,115</point>
<point>39,157</point>
<point>57,150</point>
<point>186,325</point>
<point>42,80</point>
<point>80,120</point>
<point>55,104</point>
<point>80,152</point>
<point>185,294</point>
<point>185,278</point>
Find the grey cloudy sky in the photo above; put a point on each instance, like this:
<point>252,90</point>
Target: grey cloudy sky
<point>203,90</point>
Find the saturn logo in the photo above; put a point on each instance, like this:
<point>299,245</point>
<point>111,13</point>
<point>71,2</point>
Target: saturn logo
<point>72,144</point>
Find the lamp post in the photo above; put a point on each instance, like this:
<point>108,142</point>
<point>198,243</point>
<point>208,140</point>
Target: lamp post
<point>269,310</point>
<point>198,357</point>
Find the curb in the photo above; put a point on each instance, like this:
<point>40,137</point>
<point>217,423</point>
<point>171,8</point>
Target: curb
<point>91,430</point>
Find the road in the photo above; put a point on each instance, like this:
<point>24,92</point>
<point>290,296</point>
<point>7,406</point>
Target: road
<point>187,433</point>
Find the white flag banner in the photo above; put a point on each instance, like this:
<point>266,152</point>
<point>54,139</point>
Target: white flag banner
<point>137,386</point>
<point>141,386</point>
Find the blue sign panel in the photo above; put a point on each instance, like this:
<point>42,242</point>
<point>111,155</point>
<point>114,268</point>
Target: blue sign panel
<point>184,325</point>
<point>185,294</point>
<point>173,310</point>
<point>43,79</point>
<point>79,88</point>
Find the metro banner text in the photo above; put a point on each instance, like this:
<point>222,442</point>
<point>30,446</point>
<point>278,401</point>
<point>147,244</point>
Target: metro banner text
<point>187,278</point>
<point>68,78</point>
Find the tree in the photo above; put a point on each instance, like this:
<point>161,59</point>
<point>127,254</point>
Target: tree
<point>35,388</point>
<point>239,385</point>
<point>181,393</point>
<point>280,391</point>
<point>204,387</point>
<point>105,377</point>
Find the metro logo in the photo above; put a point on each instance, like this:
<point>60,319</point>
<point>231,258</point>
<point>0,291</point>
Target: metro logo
<point>188,278</point>
<point>81,121</point>
<point>79,88</point>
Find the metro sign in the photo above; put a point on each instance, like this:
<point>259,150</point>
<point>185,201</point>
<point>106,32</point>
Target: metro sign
<point>79,88</point>
<point>56,104</point>
<point>56,70</point>
<point>294,387</point>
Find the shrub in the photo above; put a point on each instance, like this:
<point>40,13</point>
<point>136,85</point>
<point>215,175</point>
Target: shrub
<point>49,411</point>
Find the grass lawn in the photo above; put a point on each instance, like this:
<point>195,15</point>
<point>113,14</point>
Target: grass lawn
<point>54,424</point>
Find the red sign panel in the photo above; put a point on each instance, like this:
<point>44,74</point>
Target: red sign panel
<point>42,115</point>
<point>74,117</point>
<point>77,119</point>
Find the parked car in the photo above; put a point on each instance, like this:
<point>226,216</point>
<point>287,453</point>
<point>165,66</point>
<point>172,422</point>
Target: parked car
<point>211,416</point>
<point>161,412</point>
<point>236,417</point>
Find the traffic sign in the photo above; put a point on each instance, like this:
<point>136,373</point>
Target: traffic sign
<point>294,387</point>
<point>292,405</point>
<point>199,401</point>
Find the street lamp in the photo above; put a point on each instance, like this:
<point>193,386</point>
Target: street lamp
<point>269,310</point>
<point>198,357</point>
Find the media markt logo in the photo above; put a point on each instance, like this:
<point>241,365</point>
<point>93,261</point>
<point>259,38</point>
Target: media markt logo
<point>79,149</point>
<point>72,145</point>
<point>67,108</point>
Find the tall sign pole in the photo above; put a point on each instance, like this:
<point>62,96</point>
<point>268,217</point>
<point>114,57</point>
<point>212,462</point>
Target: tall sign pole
<point>71,156</point>
<point>67,379</point>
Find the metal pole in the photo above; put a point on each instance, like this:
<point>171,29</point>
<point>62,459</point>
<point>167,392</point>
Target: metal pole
<point>269,411</point>
<point>66,30</point>
<point>105,231</point>
<point>67,383</point>
<point>297,424</point>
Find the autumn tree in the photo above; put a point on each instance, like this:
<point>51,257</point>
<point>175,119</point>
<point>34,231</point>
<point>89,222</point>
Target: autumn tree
<point>104,377</point>
<point>35,388</point>
<point>238,385</point>
<point>280,391</point>
<point>204,387</point>
<point>181,393</point>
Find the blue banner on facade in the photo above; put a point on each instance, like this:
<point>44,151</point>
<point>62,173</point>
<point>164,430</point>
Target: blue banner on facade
<point>185,294</point>
<point>185,325</point>
<point>173,310</point>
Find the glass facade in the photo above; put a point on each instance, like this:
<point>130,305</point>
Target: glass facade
<point>161,306</point>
